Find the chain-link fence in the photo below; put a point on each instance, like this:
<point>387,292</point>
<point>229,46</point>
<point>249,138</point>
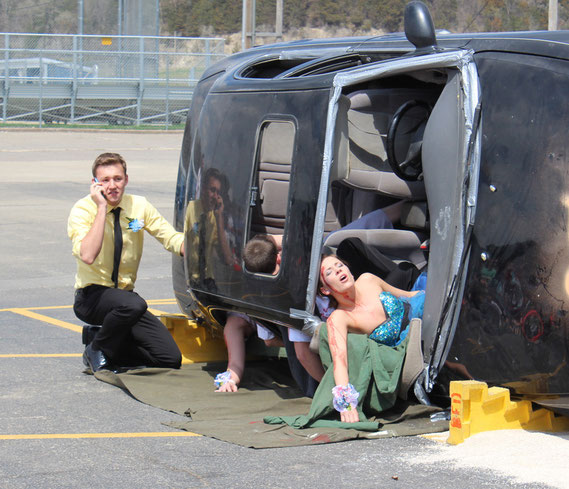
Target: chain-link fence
<point>129,80</point>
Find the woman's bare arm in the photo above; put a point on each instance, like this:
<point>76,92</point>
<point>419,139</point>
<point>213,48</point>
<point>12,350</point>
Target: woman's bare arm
<point>387,287</point>
<point>337,326</point>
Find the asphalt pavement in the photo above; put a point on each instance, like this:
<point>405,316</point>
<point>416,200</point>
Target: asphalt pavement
<point>61,428</point>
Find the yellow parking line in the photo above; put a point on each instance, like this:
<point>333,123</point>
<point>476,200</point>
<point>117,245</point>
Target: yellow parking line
<point>36,308</point>
<point>156,312</point>
<point>28,312</point>
<point>41,355</point>
<point>53,436</point>
<point>164,302</point>
<point>47,319</point>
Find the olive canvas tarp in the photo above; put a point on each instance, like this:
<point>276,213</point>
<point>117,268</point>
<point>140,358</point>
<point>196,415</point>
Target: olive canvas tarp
<point>267,391</point>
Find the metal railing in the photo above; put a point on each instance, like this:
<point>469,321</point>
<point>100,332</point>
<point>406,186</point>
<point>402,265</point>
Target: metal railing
<point>132,80</point>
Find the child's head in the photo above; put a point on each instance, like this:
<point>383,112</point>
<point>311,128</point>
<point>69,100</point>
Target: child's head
<point>261,255</point>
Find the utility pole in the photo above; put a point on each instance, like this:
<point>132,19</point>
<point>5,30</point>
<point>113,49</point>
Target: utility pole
<point>248,24</point>
<point>249,30</point>
<point>552,22</point>
<point>80,11</point>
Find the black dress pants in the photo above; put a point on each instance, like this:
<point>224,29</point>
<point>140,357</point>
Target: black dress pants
<point>130,335</point>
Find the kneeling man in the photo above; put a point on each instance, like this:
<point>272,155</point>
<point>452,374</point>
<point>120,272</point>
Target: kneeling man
<point>107,231</point>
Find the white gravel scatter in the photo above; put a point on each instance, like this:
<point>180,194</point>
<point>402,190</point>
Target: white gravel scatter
<point>524,456</point>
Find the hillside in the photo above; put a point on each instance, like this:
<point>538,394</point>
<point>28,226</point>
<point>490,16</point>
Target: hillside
<point>301,18</point>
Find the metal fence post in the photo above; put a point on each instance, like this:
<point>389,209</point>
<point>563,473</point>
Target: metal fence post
<point>208,51</point>
<point>40,78</point>
<point>5,95</point>
<point>74,82</point>
<point>167,90</point>
<point>140,81</point>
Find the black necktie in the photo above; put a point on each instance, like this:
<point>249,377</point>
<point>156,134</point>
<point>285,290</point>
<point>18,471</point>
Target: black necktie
<point>118,246</point>
<point>202,247</point>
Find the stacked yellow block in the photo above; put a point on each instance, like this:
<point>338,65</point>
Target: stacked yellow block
<point>476,408</point>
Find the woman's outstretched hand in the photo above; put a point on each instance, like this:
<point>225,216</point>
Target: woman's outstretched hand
<point>350,416</point>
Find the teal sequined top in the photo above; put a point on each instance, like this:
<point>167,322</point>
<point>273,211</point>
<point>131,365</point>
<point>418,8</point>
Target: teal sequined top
<point>398,311</point>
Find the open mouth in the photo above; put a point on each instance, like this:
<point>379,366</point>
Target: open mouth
<point>343,278</point>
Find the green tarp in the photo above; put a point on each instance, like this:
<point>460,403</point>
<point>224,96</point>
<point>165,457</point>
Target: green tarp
<point>268,389</point>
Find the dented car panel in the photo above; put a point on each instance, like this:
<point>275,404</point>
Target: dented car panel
<point>300,133</point>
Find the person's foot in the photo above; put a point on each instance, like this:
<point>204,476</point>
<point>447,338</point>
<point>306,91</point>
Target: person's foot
<point>94,359</point>
<point>227,381</point>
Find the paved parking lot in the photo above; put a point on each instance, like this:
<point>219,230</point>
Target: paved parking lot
<point>60,428</point>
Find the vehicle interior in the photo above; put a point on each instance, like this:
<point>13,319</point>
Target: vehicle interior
<point>362,178</point>
<point>399,146</point>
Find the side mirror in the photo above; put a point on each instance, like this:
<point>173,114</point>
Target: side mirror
<point>419,27</point>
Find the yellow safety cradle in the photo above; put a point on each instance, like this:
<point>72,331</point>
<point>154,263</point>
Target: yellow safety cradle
<point>196,343</point>
<point>476,408</point>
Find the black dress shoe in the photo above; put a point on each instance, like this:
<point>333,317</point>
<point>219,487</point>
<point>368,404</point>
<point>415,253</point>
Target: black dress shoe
<point>89,333</point>
<point>94,359</point>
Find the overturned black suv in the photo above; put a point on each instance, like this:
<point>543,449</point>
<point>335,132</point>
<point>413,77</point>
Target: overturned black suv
<point>462,140</point>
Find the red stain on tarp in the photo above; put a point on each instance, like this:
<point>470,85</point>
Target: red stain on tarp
<point>321,439</point>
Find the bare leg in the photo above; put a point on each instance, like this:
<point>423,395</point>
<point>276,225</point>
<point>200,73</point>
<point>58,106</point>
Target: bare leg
<point>236,330</point>
<point>276,341</point>
<point>309,360</point>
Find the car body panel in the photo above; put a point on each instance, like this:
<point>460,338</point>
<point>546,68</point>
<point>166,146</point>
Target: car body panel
<point>494,163</point>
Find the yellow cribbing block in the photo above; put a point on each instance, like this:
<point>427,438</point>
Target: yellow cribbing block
<point>476,408</point>
<point>196,342</point>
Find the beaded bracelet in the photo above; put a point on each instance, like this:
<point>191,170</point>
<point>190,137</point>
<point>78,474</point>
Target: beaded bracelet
<point>223,378</point>
<point>345,397</point>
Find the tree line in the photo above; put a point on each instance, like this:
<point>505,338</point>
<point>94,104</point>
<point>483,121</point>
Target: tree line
<point>223,17</point>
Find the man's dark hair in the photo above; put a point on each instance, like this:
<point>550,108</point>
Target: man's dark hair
<point>107,159</point>
<point>212,173</point>
<point>260,254</point>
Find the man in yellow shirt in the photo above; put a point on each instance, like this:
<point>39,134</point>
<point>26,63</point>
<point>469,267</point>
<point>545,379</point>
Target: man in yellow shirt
<point>204,226</point>
<point>106,229</point>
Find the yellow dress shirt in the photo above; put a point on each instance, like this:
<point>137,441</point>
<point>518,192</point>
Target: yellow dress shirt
<point>194,212</point>
<point>137,215</point>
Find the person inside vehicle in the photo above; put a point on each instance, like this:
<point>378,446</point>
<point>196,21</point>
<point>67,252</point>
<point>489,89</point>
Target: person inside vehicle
<point>368,306</point>
<point>238,328</point>
<point>262,254</point>
<point>105,228</point>
<point>204,227</point>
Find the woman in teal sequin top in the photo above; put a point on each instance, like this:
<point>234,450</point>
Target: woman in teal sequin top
<point>369,306</point>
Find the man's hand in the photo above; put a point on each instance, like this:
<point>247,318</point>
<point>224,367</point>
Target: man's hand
<point>218,207</point>
<point>97,194</point>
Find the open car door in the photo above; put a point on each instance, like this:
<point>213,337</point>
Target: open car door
<point>450,163</point>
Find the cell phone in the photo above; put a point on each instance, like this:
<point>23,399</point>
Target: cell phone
<point>102,193</point>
